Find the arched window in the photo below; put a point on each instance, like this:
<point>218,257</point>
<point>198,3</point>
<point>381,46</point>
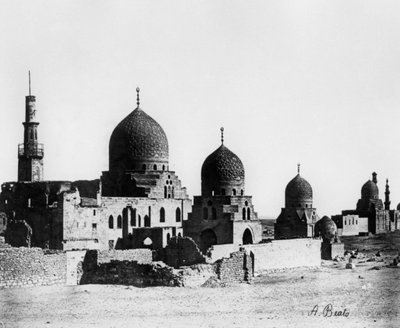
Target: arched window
<point>241,192</point>
<point>234,192</point>
<point>205,213</point>
<point>169,191</point>
<point>353,220</point>
<point>144,167</point>
<point>147,221</point>
<point>178,214</point>
<point>139,221</point>
<point>214,213</point>
<point>119,222</point>
<point>163,167</point>
<point>246,203</point>
<point>244,213</point>
<point>162,214</point>
<point>155,167</point>
<point>133,217</point>
<point>248,213</point>
<point>35,134</point>
<point>173,192</point>
<point>111,222</point>
<point>165,191</point>
<point>345,221</point>
<point>223,192</point>
<point>168,237</point>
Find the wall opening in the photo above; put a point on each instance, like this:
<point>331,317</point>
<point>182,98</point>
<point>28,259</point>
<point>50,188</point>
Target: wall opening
<point>247,237</point>
<point>111,222</point>
<point>119,222</point>
<point>248,213</point>
<point>146,221</point>
<point>205,213</point>
<point>207,239</point>
<point>162,214</point>
<point>178,214</point>
<point>214,213</point>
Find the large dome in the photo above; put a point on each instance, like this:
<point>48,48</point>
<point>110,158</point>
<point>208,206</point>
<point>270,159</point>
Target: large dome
<point>298,193</point>
<point>222,173</point>
<point>138,143</point>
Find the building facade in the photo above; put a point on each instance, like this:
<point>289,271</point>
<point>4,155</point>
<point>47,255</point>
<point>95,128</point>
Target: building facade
<point>138,199</point>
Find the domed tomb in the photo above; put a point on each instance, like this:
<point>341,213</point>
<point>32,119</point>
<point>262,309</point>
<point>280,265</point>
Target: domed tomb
<point>138,143</point>
<point>222,173</point>
<point>326,228</point>
<point>298,192</point>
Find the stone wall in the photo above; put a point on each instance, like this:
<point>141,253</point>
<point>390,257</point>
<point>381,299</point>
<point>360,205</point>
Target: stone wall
<point>26,267</point>
<point>286,253</point>
<point>182,252</point>
<point>238,268</point>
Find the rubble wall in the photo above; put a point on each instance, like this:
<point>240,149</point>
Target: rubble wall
<point>27,267</point>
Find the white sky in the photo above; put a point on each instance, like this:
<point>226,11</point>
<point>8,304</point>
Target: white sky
<point>315,82</point>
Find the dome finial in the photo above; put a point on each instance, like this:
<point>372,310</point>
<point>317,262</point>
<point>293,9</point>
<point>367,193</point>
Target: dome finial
<point>222,135</point>
<point>137,97</point>
<point>29,82</point>
<point>298,168</point>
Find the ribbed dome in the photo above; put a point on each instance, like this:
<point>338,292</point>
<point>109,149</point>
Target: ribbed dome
<point>298,192</point>
<point>369,190</point>
<point>138,140</point>
<point>222,169</point>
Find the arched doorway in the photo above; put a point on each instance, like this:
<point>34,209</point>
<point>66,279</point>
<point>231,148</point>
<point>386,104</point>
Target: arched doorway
<point>147,221</point>
<point>207,239</point>
<point>247,237</point>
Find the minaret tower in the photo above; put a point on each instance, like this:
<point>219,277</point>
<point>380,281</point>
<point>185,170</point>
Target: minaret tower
<point>30,153</point>
<point>387,193</point>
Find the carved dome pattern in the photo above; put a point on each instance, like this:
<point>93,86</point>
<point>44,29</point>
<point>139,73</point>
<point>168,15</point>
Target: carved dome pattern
<point>222,165</point>
<point>298,189</point>
<point>138,137</point>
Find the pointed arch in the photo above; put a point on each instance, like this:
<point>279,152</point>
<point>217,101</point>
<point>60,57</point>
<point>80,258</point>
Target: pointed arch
<point>247,237</point>
<point>162,214</point>
<point>248,213</point>
<point>178,214</point>
<point>111,222</point>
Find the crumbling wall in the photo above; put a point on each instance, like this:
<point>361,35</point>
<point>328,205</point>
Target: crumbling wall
<point>18,234</point>
<point>182,251</point>
<point>238,268</point>
<point>27,267</point>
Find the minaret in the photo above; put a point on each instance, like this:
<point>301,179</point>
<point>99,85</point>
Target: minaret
<point>30,153</point>
<point>387,193</point>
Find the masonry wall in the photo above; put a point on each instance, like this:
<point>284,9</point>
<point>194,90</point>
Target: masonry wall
<point>238,268</point>
<point>286,253</point>
<point>27,267</point>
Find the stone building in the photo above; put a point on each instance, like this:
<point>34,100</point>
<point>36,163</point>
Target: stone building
<point>298,217</point>
<point>138,199</point>
<point>379,216</point>
<point>223,214</point>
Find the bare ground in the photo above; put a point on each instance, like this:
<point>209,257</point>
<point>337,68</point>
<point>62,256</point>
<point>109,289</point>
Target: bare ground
<point>370,296</point>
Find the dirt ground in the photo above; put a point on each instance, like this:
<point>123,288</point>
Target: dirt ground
<point>367,296</point>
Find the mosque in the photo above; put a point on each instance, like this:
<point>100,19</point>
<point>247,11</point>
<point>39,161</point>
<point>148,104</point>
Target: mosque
<point>139,202</point>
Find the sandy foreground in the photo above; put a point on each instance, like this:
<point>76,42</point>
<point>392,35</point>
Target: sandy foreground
<point>370,297</point>
<point>367,296</point>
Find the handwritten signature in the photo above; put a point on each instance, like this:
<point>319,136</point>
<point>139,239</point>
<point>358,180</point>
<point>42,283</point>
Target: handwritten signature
<point>328,311</point>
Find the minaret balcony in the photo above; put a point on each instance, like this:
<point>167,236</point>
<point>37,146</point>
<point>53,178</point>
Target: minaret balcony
<point>31,150</point>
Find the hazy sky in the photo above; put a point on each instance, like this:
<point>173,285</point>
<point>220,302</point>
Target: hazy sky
<point>315,82</point>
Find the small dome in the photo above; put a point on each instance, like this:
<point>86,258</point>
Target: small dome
<point>222,169</point>
<point>326,228</point>
<point>138,142</point>
<point>370,190</point>
<point>298,192</point>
